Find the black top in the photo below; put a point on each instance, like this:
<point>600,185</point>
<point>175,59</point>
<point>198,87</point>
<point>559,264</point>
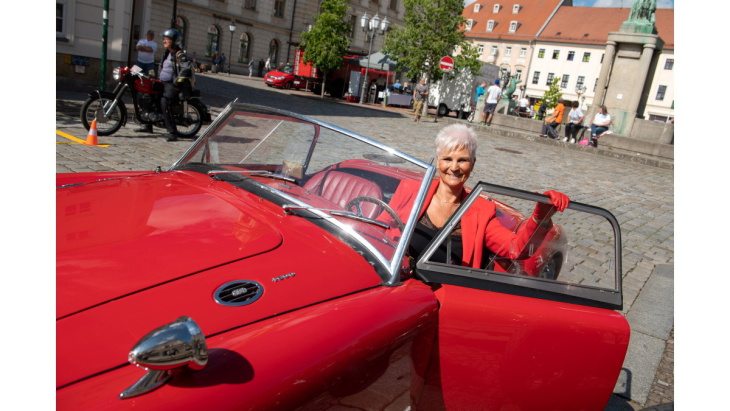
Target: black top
<point>425,231</point>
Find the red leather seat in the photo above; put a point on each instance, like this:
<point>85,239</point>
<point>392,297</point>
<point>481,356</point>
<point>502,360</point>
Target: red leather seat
<point>339,188</point>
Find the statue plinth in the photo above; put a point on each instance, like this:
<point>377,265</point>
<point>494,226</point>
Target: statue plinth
<point>638,27</point>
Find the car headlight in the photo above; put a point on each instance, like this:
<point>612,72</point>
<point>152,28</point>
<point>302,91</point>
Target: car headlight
<point>115,74</point>
<point>279,78</point>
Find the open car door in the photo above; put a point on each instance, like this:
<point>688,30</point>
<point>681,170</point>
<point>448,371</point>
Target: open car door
<point>537,333</point>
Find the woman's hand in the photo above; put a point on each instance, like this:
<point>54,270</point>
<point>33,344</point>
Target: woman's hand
<point>558,202</point>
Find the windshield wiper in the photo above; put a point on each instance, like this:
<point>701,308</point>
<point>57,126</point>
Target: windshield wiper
<point>254,173</point>
<point>288,208</point>
<point>272,175</point>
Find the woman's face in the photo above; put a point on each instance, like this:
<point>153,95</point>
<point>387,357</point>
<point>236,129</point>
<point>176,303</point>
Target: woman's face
<point>455,167</point>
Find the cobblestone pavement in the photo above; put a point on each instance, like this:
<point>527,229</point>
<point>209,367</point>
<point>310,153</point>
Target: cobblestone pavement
<point>640,196</point>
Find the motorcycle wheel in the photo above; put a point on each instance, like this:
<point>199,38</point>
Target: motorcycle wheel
<point>189,123</point>
<point>93,109</point>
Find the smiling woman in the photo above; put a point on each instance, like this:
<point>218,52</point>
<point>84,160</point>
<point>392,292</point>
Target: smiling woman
<point>456,147</point>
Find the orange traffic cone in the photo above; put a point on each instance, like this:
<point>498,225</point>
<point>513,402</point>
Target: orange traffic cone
<point>91,139</point>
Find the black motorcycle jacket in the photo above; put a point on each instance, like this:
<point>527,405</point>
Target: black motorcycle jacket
<point>182,67</point>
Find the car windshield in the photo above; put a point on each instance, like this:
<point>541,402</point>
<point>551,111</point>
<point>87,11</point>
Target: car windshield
<point>339,180</point>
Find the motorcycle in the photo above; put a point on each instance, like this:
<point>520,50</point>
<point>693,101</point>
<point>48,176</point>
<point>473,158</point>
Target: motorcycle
<point>110,112</point>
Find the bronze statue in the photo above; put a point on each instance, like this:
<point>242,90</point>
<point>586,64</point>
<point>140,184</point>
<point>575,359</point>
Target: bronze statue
<point>642,11</point>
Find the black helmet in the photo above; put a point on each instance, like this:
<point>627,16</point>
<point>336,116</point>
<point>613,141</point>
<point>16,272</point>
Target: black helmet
<point>174,35</point>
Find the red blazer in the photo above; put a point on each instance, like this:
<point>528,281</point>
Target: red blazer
<point>480,230</point>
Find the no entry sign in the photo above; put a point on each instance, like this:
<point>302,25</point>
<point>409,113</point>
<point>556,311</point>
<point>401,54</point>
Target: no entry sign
<point>446,63</point>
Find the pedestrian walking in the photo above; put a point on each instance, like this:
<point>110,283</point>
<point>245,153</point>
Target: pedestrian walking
<point>494,93</point>
<point>251,65</point>
<point>420,94</point>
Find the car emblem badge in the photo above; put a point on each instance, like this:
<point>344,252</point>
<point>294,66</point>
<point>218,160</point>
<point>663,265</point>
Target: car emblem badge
<point>283,277</point>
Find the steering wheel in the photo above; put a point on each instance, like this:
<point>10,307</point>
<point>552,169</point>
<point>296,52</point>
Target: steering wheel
<point>367,199</point>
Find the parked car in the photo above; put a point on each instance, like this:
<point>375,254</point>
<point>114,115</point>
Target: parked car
<point>283,77</point>
<point>266,269</point>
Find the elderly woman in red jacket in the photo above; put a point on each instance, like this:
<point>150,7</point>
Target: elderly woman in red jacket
<point>478,230</point>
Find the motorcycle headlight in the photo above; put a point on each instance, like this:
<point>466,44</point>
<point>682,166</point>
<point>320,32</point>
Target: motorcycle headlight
<point>115,74</point>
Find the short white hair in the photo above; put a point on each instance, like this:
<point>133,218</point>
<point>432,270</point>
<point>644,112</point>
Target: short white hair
<point>455,137</point>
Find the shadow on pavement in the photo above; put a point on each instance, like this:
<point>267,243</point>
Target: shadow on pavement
<point>218,92</point>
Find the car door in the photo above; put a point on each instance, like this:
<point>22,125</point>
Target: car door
<point>536,333</point>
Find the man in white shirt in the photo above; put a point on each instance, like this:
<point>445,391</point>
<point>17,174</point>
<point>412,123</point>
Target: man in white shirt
<point>494,93</point>
<point>146,49</point>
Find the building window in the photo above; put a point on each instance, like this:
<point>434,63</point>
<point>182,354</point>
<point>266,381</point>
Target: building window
<point>516,9</point>
<point>669,64</point>
<point>494,50</point>
<point>469,23</point>
<point>541,53</point>
<point>477,7</point>
<point>523,52</point>
<point>571,55</point>
<point>496,8</point>
<point>480,48</point>
<point>535,77</point>
<point>508,51</point>
<point>661,92</point>
<point>274,52</point>
<point>556,54</point>
<point>244,49</point>
<point>279,6</point>
<point>581,80</point>
<point>513,26</point>
<point>518,74</point>
<point>586,57</point>
<point>564,81</point>
<point>249,4</point>
<point>550,78</point>
<point>60,16</point>
<point>394,4</point>
<point>353,26</point>
<point>490,25</point>
<point>211,46</point>
<point>181,27</point>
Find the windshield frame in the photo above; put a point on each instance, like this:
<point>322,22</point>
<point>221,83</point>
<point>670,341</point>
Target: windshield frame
<point>395,265</point>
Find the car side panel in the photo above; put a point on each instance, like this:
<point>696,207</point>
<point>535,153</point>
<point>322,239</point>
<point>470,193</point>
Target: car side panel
<point>498,351</point>
<point>366,348</point>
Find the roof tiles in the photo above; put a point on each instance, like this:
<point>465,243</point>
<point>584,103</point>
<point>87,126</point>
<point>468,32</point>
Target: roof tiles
<point>581,25</point>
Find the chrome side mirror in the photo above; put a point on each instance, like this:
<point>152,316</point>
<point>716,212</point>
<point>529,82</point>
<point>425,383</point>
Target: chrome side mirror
<point>174,345</point>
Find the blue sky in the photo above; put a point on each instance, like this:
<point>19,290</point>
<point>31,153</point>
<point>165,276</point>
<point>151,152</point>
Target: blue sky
<point>662,4</point>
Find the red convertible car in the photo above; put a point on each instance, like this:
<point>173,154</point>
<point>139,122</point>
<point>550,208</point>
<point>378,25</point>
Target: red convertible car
<point>267,269</point>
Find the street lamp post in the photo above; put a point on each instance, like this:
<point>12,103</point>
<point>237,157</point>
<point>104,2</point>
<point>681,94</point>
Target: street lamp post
<point>232,27</point>
<point>579,90</point>
<point>370,26</point>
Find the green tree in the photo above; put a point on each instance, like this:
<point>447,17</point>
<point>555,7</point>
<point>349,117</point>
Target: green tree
<point>552,94</point>
<point>433,29</point>
<point>325,45</point>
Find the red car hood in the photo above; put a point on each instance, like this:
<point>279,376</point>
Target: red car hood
<point>119,236</point>
<point>135,253</point>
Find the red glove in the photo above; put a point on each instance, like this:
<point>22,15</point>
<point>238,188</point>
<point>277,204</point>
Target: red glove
<point>544,211</point>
